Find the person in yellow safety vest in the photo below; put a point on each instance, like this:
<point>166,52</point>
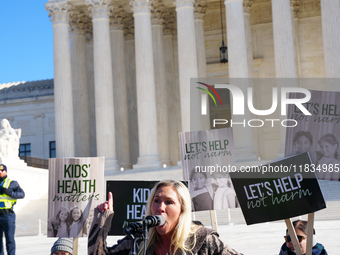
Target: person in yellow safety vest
<point>10,191</point>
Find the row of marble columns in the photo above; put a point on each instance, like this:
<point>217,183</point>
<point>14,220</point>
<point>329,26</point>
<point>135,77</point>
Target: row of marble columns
<point>108,83</point>
<point>109,74</point>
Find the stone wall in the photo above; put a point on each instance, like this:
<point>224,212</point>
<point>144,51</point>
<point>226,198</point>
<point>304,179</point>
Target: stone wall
<point>35,117</point>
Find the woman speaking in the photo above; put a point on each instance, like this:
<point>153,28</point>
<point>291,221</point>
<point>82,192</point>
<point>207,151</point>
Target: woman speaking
<point>178,235</point>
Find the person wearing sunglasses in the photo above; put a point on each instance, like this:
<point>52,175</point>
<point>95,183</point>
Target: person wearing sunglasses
<point>300,227</point>
<point>10,191</point>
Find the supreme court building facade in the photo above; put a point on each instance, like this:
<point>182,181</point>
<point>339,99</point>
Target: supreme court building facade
<point>122,72</point>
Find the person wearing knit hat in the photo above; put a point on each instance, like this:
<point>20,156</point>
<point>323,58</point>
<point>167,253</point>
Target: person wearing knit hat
<point>10,191</point>
<point>63,246</point>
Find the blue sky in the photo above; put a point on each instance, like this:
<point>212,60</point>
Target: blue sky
<point>26,41</point>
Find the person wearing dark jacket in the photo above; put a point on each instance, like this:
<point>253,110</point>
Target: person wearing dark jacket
<point>178,235</point>
<point>300,227</point>
<point>10,191</point>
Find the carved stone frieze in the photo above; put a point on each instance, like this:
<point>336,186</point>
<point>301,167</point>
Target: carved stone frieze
<point>129,28</point>
<point>77,22</point>
<point>247,6</point>
<point>295,5</point>
<point>117,18</point>
<point>200,8</point>
<point>169,23</point>
<point>59,12</point>
<point>99,8</point>
<point>89,30</point>
<point>158,11</point>
<point>140,5</point>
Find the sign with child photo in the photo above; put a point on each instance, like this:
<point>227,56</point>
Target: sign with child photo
<point>278,190</point>
<point>207,157</point>
<point>76,187</point>
<point>317,133</point>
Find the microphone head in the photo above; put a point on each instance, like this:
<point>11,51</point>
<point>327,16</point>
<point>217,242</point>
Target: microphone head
<point>161,220</point>
<point>154,220</point>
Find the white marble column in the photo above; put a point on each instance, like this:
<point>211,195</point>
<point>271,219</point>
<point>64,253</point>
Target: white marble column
<point>119,87</point>
<point>294,6</point>
<point>246,12</point>
<point>172,87</point>
<point>59,11</point>
<point>236,39</point>
<point>90,82</point>
<point>285,65</point>
<point>145,81</point>
<point>187,63</point>
<point>284,51</point>
<point>330,18</point>
<point>200,7</point>
<point>130,67</point>
<point>157,14</point>
<point>80,93</point>
<point>239,68</point>
<point>199,12</point>
<point>105,123</point>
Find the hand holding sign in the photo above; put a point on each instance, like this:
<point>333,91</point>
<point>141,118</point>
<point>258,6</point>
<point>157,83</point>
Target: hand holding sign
<point>108,205</point>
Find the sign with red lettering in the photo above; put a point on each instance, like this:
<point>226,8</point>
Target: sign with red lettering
<point>278,190</point>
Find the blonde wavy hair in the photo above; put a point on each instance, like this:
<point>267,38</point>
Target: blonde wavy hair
<point>184,228</point>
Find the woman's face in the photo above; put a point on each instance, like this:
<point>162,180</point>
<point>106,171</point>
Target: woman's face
<point>327,149</point>
<point>76,214</point>
<point>166,203</point>
<point>63,215</point>
<point>302,243</point>
<point>198,180</point>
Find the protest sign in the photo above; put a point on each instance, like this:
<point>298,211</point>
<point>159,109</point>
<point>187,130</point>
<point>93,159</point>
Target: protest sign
<point>76,186</point>
<point>278,190</point>
<point>317,133</point>
<point>129,202</point>
<point>207,157</point>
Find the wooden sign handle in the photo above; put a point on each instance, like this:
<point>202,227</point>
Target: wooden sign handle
<point>293,236</point>
<point>213,219</point>
<point>310,226</point>
<point>75,246</point>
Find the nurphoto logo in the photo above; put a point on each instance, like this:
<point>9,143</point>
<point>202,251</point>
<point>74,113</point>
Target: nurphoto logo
<point>238,104</point>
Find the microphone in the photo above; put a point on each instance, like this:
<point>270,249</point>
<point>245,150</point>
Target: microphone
<point>149,221</point>
<point>154,221</point>
<point>133,227</point>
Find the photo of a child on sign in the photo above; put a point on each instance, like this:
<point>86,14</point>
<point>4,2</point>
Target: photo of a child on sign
<point>207,157</point>
<point>75,189</point>
<point>224,195</point>
<point>317,133</point>
<point>201,191</point>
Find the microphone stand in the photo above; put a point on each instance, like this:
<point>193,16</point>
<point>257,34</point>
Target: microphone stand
<point>134,248</point>
<point>145,234</point>
<point>150,221</point>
